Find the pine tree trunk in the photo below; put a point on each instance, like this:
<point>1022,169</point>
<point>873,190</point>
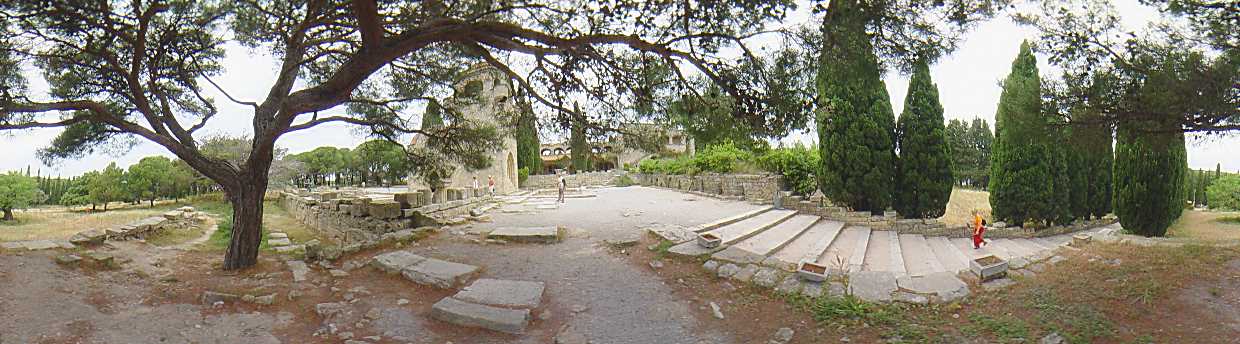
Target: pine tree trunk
<point>247,234</point>
<point>8,214</point>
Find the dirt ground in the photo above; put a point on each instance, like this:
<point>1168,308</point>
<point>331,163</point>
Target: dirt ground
<point>1207,226</point>
<point>61,222</point>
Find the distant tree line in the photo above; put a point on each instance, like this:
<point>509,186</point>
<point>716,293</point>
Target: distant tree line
<point>970,143</point>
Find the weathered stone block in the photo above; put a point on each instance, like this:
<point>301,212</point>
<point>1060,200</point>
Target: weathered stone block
<point>439,273</point>
<point>503,293</point>
<point>384,210</point>
<point>474,315</point>
<point>394,262</point>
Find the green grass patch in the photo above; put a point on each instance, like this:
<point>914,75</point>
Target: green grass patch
<point>1006,328</point>
<point>1233,220</point>
<point>660,249</point>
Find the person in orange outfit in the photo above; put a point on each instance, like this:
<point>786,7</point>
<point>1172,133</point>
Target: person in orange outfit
<point>979,227</point>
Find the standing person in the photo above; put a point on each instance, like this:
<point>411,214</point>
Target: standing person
<point>979,227</point>
<point>491,185</point>
<point>475,183</point>
<point>561,185</point>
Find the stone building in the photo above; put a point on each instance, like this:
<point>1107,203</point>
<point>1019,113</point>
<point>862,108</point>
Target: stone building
<point>490,93</point>
<point>614,153</point>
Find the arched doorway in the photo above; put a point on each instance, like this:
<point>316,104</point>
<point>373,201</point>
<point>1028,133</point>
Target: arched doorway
<point>512,170</point>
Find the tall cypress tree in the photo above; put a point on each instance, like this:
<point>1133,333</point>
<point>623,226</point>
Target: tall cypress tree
<point>925,171</point>
<point>856,126</point>
<point>1149,178</point>
<point>578,148</point>
<point>1091,141</point>
<point>528,155</point>
<point>1022,176</point>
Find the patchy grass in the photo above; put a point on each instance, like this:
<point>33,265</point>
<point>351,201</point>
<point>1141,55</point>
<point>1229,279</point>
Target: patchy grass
<point>274,219</point>
<point>1207,226</point>
<point>174,237</point>
<point>1107,293</point>
<point>61,223</point>
<point>660,250</point>
<point>961,205</point>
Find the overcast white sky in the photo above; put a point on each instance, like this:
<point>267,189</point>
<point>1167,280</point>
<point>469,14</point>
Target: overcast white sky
<point>967,80</point>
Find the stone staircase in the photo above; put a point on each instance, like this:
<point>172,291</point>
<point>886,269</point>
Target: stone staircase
<point>780,239</point>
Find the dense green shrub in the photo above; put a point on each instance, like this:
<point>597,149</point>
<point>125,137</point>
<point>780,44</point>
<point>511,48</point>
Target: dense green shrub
<point>523,174</point>
<point>1225,192</point>
<point>722,158</point>
<point>678,165</point>
<point>798,165</point>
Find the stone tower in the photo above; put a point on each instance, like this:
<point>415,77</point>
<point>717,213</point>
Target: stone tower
<point>491,95</point>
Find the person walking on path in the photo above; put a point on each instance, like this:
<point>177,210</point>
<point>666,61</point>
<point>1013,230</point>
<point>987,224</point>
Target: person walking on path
<point>491,185</point>
<point>475,183</point>
<point>561,185</point>
<point>979,227</point>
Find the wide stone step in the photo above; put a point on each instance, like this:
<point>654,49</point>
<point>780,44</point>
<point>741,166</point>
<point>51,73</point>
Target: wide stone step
<point>947,254</point>
<point>732,219</point>
<point>755,248</point>
<point>965,246</point>
<point>469,314</point>
<point>735,232</point>
<point>847,253</point>
<point>808,246</point>
<point>919,259</point>
<point>1007,250</point>
<point>738,231</point>
<point>545,234</point>
<point>883,253</point>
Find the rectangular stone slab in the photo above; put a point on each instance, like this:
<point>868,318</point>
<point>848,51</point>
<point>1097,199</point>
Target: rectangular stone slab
<point>919,258</point>
<point>808,246</point>
<point>463,313</point>
<point>526,234</point>
<point>503,293</point>
<point>394,262</point>
<point>439,273</point>
<point>778,236</point>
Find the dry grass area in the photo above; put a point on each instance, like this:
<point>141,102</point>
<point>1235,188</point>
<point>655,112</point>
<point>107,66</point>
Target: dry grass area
<point>61,223</point>
<point>961,205</point>
<point>1207,226</point>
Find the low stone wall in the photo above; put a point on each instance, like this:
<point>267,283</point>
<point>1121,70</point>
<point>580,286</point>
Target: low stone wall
<point>751,187</point>
<point>547,181</point>
<point>891,221</point>
<point>349,217</point>
<point>181,219</point>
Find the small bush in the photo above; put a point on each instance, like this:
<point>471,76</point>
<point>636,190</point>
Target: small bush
<point>722,158</point>
<point>624,180</point>
<point>523,174</point>
<point>798,165</point>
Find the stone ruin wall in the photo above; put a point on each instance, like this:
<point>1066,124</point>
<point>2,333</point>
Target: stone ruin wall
<point>547,181</point>
<point>183,218</point>
<point>347,216</point>
<point>760,188</point>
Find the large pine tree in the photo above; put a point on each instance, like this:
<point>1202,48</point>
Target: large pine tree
<point>856,125</point>
<point>1022,177</point>
<point>579,149</point>
<point>925,172</point>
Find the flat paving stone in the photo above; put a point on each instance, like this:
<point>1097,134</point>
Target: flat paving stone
<point>674,233</point>
<point>299,269</point>
<point>36,245</point>
<point>738,255</point>
<point>463,313</point>
<point>873,286</point>
<point>394,262</point>
<point>278,235</point>
<point>503,293</point>
<point>692,249</point>
<point>279,242</point>
<point>776,237</point>
<point>547,234</point>
<point>918,257</point>
<point>808,246</point>
<point>439,273</point>
<point>945,285</point>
